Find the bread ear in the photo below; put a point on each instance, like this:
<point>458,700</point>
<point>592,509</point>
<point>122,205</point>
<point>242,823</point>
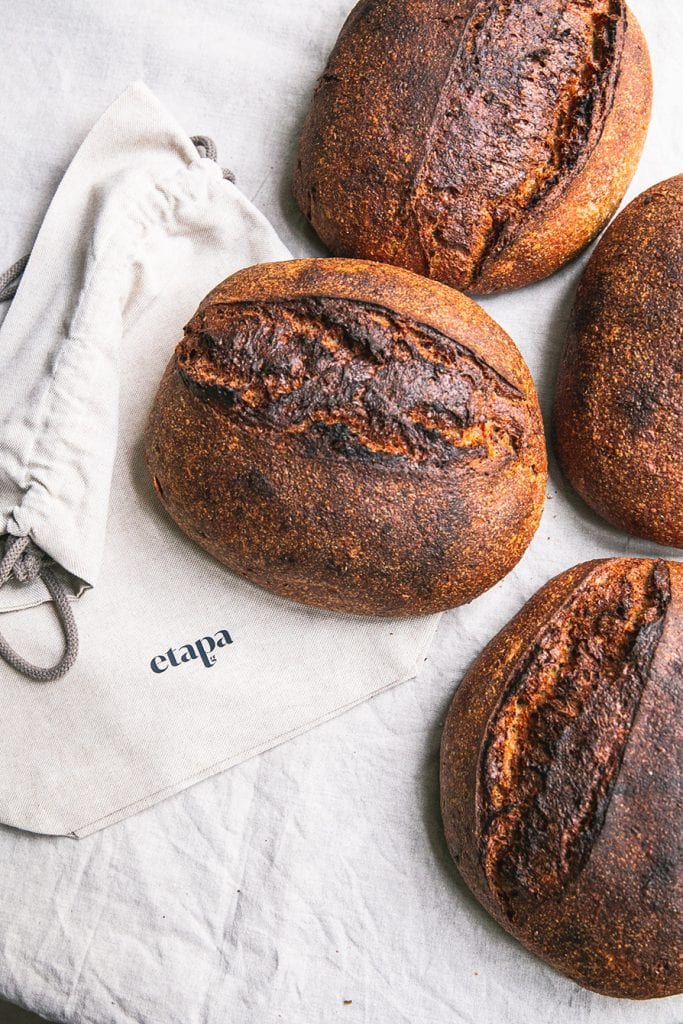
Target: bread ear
<point>559,232</point>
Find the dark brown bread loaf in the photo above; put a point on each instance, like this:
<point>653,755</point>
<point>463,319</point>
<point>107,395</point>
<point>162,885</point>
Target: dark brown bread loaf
<point>351,436</point>
<point>618,414</point>
<point>561,776</point>
<point>482,144</point>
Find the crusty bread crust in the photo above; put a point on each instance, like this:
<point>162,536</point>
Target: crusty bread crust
<point>618,411</point>
<point>363,177</point>
<point>289,440</point>
<point>613,925</point>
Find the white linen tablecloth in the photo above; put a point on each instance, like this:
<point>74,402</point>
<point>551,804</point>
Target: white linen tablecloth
<point>311,883</point>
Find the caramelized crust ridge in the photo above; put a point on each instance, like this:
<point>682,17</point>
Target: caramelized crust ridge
<point>352,379</point>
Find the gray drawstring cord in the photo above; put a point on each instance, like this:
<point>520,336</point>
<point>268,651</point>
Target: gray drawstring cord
<point>208,146</point>
<point>23,560</point>
<point>9,281</point>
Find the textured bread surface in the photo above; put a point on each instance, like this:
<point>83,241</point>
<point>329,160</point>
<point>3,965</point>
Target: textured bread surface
<point>561,776</point>
<point>354,378</point>
<point>351,436</point>
<point>482,144</point>
<point>618,413</point>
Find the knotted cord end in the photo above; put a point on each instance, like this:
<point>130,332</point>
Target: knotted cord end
<point>25,562</point>
<point>206,148</point>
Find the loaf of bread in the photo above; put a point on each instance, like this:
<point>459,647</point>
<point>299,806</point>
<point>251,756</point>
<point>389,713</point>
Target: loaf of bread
<point>618,414</point>
<point>482,144</point>
<point>351,436</point>
<point>561,780</point>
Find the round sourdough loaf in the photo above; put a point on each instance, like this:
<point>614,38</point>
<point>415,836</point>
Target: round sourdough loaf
<point>351,436</point>
<point>618,414</point>
<point>561,776</point>
<point>482,144</point>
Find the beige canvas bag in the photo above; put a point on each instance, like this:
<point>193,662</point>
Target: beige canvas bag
<point>183,669</point>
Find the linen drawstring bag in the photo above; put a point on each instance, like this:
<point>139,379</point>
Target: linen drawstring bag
<point>142,226</point>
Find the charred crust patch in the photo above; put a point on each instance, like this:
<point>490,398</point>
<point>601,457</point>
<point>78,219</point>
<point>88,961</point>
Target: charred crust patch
<point>352,380</point>
<point>524,106</point>
<point>554,745</point>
